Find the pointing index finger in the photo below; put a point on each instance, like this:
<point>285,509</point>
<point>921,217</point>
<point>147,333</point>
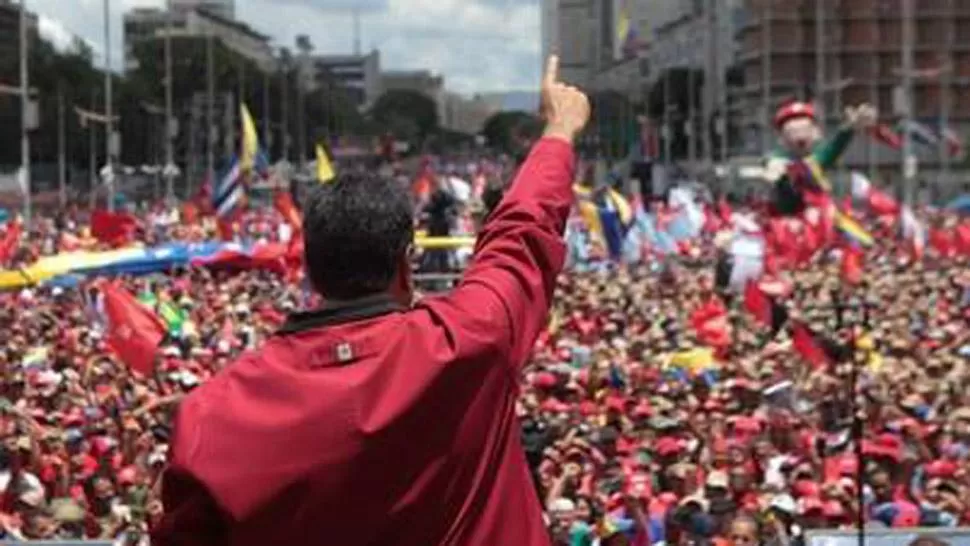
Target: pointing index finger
<point>552,71</point>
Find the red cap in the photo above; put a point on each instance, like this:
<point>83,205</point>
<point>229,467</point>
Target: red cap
<point>616,403</point>
<point>792,110</point>
<point>544,380</point>
<point>666,446</point>
<point>941,468</point>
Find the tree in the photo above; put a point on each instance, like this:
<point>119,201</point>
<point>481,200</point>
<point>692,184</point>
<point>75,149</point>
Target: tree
<point>408,115</point>
<point>507,131</point>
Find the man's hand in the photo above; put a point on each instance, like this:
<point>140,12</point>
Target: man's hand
<point>860,117</point>
<point>565,108</point>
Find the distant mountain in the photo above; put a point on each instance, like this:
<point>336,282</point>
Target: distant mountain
<point>513,100</point>
<point>521,100</point>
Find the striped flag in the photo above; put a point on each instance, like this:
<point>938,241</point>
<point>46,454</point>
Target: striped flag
<point>230,192</point>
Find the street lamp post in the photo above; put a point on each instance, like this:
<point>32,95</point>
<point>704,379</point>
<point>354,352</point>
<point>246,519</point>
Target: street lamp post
<point>169,169</point>
<point>24,114</point>
<point>909,160</point>
<point>110,137</point>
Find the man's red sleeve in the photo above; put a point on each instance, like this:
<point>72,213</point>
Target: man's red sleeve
<point>503,300</point>
<point>191,514</point>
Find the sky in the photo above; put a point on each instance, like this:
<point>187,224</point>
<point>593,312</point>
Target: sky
<point>477,45</point>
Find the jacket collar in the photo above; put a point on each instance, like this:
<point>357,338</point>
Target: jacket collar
<point>341,313</point>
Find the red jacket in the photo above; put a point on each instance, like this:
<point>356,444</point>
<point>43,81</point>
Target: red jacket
<point>369,424</point>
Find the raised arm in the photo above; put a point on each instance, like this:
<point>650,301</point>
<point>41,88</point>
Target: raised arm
<point>505,295</point>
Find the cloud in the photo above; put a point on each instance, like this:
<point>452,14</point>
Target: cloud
<point>477,45</point>
<point>55,32</point>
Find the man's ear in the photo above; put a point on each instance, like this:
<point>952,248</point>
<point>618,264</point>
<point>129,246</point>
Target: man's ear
<point>403,285</point>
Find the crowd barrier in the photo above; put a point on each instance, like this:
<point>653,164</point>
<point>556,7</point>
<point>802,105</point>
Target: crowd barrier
<point>952,536</point>
<point>61,543</point>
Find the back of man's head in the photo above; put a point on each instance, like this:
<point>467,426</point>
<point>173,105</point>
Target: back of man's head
<point>357,231</point>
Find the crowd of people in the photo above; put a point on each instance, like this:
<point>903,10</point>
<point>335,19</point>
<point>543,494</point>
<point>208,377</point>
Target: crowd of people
<point>637,432</point>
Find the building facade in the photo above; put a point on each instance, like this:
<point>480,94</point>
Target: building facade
<point>359,75</point>
<point>10,31</point>
<point>223,8</point>
<point>150,24</point>
<point>861,45</point>
<point>468,115</point>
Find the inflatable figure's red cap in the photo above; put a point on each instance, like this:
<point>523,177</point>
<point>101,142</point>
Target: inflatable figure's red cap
<point>793,109</point>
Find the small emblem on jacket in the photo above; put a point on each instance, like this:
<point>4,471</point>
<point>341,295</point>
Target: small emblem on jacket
<point>345,353</point>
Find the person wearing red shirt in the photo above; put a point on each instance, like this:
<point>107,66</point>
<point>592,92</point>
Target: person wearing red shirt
<point>371,420</point>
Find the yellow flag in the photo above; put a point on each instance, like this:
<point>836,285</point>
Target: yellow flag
<point>325,172</point>
<point>250,139</point>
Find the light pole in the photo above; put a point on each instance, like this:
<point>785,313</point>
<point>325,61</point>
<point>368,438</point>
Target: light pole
<point>111,142</point>
<point>210,110</point>
<point>169,169</point>
<point>61,148</point>
<point>909,161</point>
<point>24,114</point>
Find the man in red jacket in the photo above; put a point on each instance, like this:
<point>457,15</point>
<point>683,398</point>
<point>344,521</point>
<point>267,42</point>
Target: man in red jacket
<point>373,421</point>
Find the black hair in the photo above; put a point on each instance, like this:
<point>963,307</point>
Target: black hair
<point>356,229</point>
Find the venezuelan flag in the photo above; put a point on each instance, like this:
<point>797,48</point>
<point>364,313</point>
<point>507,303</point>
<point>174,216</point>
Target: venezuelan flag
<point>852,230</point>
<point>616,217</point>
<point>588,210</point>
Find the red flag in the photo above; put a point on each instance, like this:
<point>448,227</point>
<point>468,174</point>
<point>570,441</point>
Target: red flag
<point>882,204</point>
<point>885,135</point>
<point>804,343</point>
<point>113,228</point>
<point>711,324</point>
<point>851,265</point>
<point>10,241</point>
<point>134,331</point>
<point>203,198</point>
<point>724,211</point>
<point>757,303</point>
<point>283,202</point>
<point>942,242</point>
<point>190,213</point>
<point>961,239</point>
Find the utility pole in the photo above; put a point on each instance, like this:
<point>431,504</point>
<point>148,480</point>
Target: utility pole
<point>267,116</point>
<point>210,158</point>
<point>25,114</point>
<point>357,48</point>
<point>722,77</point>
<point>689,124</point>
<point>284,106</point>
<point>93,153</point>
<point>820,82</point>
<point>667,133</point>
<point>111,141</point>
<point>61,148</point>
<point>946,85</point>
<point>766,78</point>
<point>909,159</point>
<point>710,81</point>
<point>169,169</point>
